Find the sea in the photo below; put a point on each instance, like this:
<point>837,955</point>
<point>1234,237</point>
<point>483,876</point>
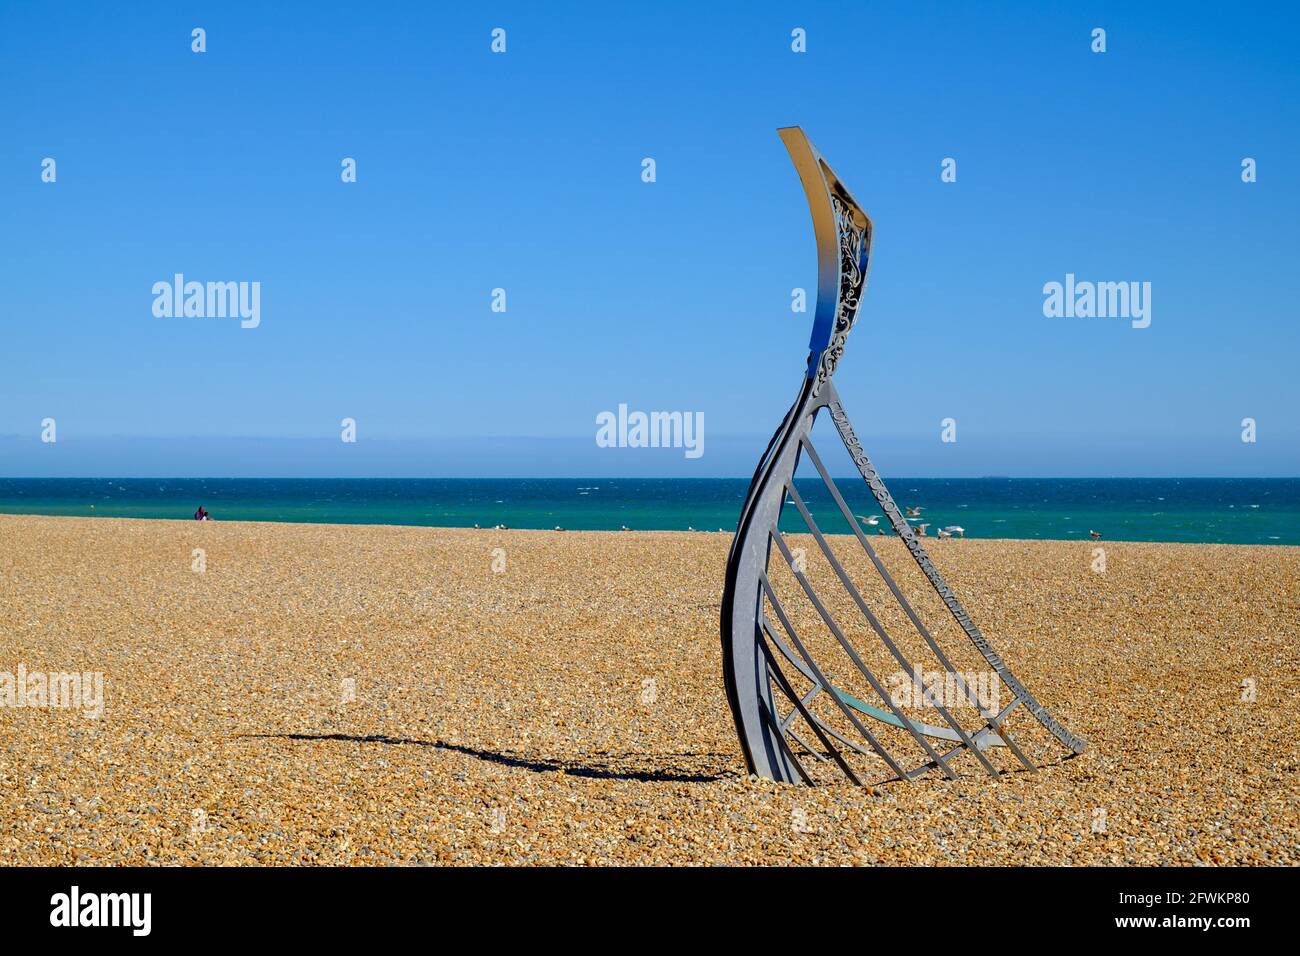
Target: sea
<point>1205,510</point>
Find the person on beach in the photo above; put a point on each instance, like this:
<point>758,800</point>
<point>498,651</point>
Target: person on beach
<point>200,515</point>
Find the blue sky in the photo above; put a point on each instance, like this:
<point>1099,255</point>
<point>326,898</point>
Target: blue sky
<point>523,171</point>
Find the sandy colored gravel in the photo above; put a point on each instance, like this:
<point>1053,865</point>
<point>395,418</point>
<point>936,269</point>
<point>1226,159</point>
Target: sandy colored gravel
<point>379,695</point>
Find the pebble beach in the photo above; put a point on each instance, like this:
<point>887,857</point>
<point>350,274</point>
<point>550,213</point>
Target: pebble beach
<point>372,695</point>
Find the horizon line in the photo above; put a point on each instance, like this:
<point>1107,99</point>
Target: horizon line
<point>633,478</point>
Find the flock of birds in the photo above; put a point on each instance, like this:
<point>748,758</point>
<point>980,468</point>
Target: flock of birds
<point>913,514</point>
<point>919,526</point>
<point>873,521</point>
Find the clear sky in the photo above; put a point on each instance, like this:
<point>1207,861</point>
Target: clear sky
<point>523,171</point>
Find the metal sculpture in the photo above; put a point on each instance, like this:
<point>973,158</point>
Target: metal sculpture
<point>764,656</point>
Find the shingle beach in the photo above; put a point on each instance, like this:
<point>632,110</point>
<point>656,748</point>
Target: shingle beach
<point>323,694</point>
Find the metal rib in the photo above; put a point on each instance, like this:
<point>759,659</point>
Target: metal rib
<point>807,699</point>
<point>930,730</point>
<point>903,662</point>
<point>786,689</point>
<point>904,531</point>
<point>903,602</point>
<point>770,719</point>
<point>821,678</point>
<point>986,733</point>
<point>826,617</point>
<point>799,665</point>
<point>808,748</point>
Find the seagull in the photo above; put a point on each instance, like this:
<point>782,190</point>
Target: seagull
<point>689,528</point>
<point>944,533</point>
<point>914,512</point>
<point>873,520</point>
<point>625,528</point>
<point>476,527</point>
<point>500,527</point>
<point>558,528</point>
<point>920,529</point>
<point>955,529</point>
<point>1095,535</point>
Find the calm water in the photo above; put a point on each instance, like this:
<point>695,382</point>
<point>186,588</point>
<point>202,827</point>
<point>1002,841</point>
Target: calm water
<point>1244,511</point>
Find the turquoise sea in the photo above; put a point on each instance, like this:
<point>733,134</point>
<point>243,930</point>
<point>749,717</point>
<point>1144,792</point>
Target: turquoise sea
<point>1225,510</point>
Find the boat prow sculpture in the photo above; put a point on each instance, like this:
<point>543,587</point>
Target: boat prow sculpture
<point>788,712</point>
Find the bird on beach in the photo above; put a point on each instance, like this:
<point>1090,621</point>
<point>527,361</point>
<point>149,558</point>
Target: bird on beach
<point>1095,535</point>
<point>500,527</point>
<point>955,529</point>
<point>943,533</point>
<point>914,512</point>
<point>625,528</point>
<point>920,529</point>
<point>558,528</point>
